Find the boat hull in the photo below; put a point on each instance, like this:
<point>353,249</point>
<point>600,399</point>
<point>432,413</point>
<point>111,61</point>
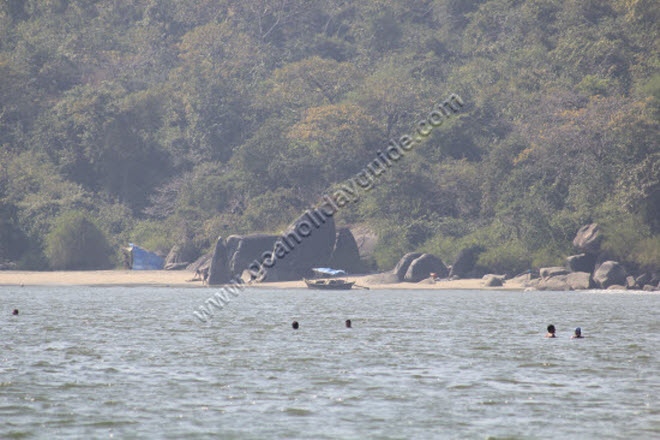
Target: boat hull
<point>329,285</point>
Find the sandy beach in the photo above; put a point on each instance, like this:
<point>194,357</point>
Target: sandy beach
<point>98,278</point>
<point>165,278</point>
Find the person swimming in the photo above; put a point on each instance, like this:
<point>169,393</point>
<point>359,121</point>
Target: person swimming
<point>578,334</point>
<point>348,323</point>
<point>551,332</point>
<point>15,312</point>
<point>295,325</point>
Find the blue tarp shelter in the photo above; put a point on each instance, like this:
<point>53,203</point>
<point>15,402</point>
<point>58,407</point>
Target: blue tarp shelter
<point>144,260</point>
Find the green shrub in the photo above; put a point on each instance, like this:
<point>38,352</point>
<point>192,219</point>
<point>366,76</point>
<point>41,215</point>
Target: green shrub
<point>442,246</point>
<point>13,241</point>
<point>549,256</point>
<point>628,239</point>
<point>153,235</point>
<point>75,242</point>
<point>510,257</point>
<point>647,253</point>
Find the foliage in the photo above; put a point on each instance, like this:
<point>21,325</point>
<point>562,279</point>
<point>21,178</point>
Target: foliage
<point>175,122</point>
<point>12,239</point>
<point>629,240</point>
<point>76,243</point>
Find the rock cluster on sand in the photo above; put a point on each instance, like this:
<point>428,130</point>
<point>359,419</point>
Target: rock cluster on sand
<point>415,267</point>
<point>421,267</point>
<point>582,271</point>
<point>310,241</point>
<point>402,266</point>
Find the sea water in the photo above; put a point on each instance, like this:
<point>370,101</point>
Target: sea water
<point>133,362</point>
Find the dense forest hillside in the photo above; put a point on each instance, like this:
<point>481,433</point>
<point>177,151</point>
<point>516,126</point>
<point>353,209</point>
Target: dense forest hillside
<point>167,122</point>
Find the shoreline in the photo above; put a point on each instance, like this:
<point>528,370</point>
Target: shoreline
<point>165,278</point>
<point>181,279</point>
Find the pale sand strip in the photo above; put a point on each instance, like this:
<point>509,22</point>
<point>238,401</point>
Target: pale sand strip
<point>99,278</point>
<point>166,278</point>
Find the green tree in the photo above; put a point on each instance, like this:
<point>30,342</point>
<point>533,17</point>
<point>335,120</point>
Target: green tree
<point>76,243</point>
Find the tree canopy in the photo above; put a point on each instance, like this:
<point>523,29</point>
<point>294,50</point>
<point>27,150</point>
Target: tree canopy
<point>173,122</point>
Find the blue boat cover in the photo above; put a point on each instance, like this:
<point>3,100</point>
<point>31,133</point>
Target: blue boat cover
<point>145,260</point>
<point>329,271</point>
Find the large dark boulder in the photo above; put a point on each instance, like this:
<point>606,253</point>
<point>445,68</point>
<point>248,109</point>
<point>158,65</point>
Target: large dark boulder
<point>588,239</point>
<point>581,263</point>
<point>610,273</point>
<point>345,254</point>
<point>306,244</point>
<point>219,268</point>
<point>404,263</point>
<point>465,262</point>
<point>249,248</point>
<point>421,267</point>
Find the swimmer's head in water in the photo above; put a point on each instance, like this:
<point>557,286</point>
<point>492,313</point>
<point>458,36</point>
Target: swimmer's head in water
<point>15,312</point>
<point>295,325</point>
<point>551,329</point>
<point>348,323</point>
<point>578,331</point>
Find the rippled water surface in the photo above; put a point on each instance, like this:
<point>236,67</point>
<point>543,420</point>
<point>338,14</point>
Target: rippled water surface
<point>135,363</point>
